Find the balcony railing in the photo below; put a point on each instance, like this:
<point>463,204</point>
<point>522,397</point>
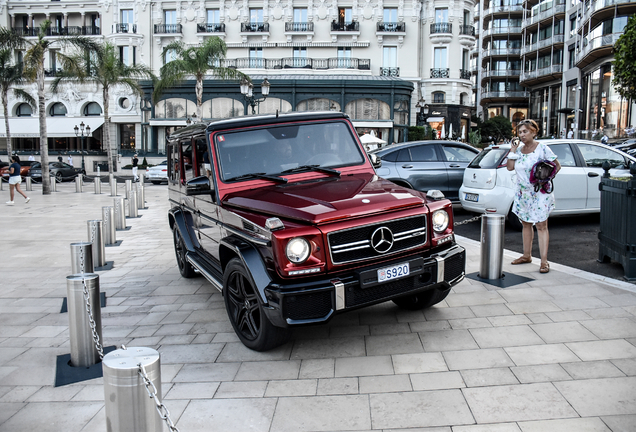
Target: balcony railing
<point>502,30</point>
<point>391,27</point>
<point>597,42</point>
<point>440,73</point>
<point>255,27</point>
<point>353,26</point>
<point>58,31</point>
<point>465,74</point>
<point>500,73</point>
<point>503,9</point>
<point>211,28</point>
<point>441,28</point>
<point>505,94</point>
<point>301,63</point>
<point>467,30</point>
<point>299,27</point>
<point>557,9</point>
<point>390,71</point>
<point>601,4</point>
<point>125,28</point>
<point>501,52</point>
<point>549,70</point>
<point>50,73</point>
<point>168,28</point>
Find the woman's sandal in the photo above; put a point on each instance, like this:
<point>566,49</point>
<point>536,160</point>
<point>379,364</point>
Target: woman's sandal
<point>545,268</point>
<point>522,260</point>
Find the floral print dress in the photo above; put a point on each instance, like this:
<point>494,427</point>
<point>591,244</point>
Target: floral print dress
<point>528,205</point>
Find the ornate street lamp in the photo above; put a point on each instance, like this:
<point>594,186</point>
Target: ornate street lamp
<point>79,132</point>
<point>247,90</point>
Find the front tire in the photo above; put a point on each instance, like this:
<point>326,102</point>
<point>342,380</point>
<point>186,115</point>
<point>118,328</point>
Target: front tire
<point>58,177</point>
<point>421,300</point>
<point>245,310</point>
<point>180,250</point>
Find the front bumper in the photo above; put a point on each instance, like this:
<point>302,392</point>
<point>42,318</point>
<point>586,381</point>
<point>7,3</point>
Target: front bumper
<point>318,301</point>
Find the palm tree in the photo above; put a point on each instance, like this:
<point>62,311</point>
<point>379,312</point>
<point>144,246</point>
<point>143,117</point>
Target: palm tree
<point>33,71</point>
<point>99,63</point>
<point>10,76</point>
<point>198,61</point>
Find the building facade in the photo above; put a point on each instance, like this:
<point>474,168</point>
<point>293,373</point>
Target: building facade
<point>388,64</point>
<point>565,60</point>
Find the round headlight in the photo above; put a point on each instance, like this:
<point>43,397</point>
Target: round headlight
<point>297,250</point>
<point>440,220</point>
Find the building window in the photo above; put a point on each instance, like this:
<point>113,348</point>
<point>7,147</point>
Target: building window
<point>441,16</point>
<point>345,16</point>
<point>92,109</point>
<point>256,16</point>
<point>214,16</point>
<point>389,57</point>
<point>438,97</point>
<point>300,57</point>
<point>125,55</point>
<point>300,15</point>
<point>368,109</point>
<point>57,110</point>
<point>571,57</point>
<point>440,60</point>
<point>170,17</point>
<point>390,15</point>
<point>169,56</point>
<point>344,58</point>
<point>24,110</point>
<point>256,58</point>
<point>127,16</point>
<point>127,136</point>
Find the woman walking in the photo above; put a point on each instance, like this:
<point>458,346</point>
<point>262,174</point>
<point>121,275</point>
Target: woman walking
<point>15,179</point>
<point>532,207</point>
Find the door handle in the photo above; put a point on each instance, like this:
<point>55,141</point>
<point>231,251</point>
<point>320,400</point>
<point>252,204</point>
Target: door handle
<point>407,166</point>
<point>593,174</point>
<point>455,166</point>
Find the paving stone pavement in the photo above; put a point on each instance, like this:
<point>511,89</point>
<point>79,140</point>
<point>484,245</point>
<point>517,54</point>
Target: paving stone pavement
<point>557,353</point>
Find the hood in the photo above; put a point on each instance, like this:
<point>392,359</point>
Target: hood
<point>328,199</point>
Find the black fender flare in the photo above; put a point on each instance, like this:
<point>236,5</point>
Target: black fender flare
<point>183,221</point>
<point>252,260</point>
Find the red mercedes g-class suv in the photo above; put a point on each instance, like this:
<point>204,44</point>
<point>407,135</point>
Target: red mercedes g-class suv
<point>285,215</point>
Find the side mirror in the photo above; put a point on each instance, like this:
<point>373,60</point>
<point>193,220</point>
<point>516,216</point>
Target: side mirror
<point>198,186</point>
<point>375,160</point>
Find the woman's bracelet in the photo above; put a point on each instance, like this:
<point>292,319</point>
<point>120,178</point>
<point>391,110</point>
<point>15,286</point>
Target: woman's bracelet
<point>513,156</point>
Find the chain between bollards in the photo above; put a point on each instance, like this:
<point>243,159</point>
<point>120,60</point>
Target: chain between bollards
<point>89,311</point>
<point>152,393</point>
<point>476,218</point>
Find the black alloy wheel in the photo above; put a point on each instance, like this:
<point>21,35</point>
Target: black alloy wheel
<point>58,177</point>
<point>185,268</point>
<point>246,312</point>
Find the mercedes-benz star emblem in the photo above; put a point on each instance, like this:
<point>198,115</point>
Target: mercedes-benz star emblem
<point>382,240</point>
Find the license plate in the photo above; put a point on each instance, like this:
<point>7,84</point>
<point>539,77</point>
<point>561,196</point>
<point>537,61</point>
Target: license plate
<point>472,197</point>
<point>393,272</point>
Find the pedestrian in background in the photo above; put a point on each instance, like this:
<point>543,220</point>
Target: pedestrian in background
<point>31,158</point>
<point>531,206</point>
<point>570,134</point>
<point>59,159</point>
<point>70,160</point>
<point>135,162</point>
<point>15,179</point>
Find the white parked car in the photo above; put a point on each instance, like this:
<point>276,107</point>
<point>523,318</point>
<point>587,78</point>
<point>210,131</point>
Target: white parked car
<point>158,174</point>
<point>489,187</point>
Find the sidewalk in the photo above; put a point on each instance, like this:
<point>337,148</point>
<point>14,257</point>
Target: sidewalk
<point>555,354</point>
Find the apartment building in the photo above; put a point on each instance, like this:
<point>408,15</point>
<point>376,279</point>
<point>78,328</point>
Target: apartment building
<point>388,64</point>
<point>565,57</point>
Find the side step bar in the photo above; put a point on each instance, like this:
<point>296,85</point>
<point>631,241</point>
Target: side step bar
<point>201,269</point>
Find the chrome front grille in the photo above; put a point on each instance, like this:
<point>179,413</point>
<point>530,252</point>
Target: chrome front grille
<point>357,244</point>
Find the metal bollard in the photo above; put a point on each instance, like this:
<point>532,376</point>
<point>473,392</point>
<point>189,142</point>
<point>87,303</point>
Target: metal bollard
<point>1,184</point>
<point>82,258</point>
<point>120,213</point>
<point>128,186</point>
<point>133,209</point>
<point>53,184</point>
<point>98,185</point>
<point>84,352</point>
<point>29,185</point>
<point>127,404</point>
<point>96,236</point>
<point>141,196</point>
<point>112,181</point>
<point>492,244</point>
<point>108,223</point>
<point>78,183</point>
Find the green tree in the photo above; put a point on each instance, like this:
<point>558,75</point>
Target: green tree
<point>625,61</point>
<point>11,76</point>
<point>195,61</point>
<point>98,62</point>
<point>474,138</point>
<point>33,71</point>
<point>497,127</point>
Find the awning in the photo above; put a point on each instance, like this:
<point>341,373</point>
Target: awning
<point>167,123</point>
<point>56,127</point>
<point>380,124</point>
<point>435,119</point>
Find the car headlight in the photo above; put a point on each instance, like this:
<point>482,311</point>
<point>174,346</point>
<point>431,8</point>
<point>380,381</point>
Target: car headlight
<point>440,220</point>
<point>297,250</point>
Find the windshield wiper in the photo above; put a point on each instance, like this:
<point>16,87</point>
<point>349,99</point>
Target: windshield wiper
<point>311,167</point>
<point>259,176</point>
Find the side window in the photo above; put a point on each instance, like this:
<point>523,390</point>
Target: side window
<point>404,156</point>
<point>174,168</point>
<point>458,154</point>
<point>202,157</point>
<point>595,156</point>
<point>423,153</point>
<point>391,157</point>
<point>187,160</point>
<point>564,154</point>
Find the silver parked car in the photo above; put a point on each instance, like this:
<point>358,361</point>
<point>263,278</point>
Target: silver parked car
<point>426,165</point>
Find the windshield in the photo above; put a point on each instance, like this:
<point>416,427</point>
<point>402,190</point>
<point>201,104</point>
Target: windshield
<point>281,149</point>
<point>489,158</point>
